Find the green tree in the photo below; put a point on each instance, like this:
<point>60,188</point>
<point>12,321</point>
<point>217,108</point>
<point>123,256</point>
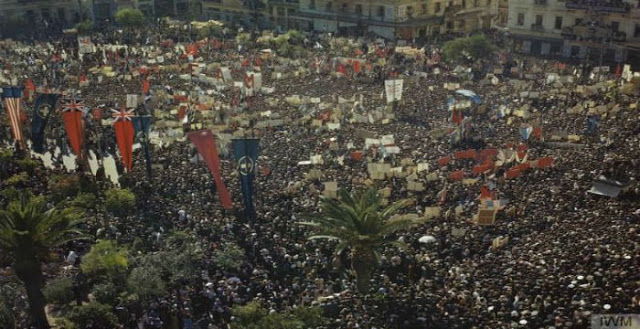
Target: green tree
<point>84,27</point>
<point>120,202</point>
<point>230,257</point>
<point>129,17</point>
<point>105,258</point>
<point>359,223</point>
<point>93,315</point>
<point>59,291</point>
<point>254,316</point>
<point>28,234</point>
<point>474,47</point>
<point>63,186</point>
<point>145,282</point>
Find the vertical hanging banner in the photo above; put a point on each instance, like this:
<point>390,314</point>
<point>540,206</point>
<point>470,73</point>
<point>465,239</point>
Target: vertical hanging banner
<point>72,111</point>
<point>85,46</point>
<point>44,107</point>
<point>146,87</point>
<point>12,97</point>
<point>124,136</point>
<point>393,89</point>
<point>245,152</point>
<point>142,126</point>
<point>206,146</point>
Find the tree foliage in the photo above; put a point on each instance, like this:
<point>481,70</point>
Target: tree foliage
<point>473,47</point>
<point>129,17</point>
<point>93,315</point>
<point>120,202</point>
<point>229,257</point>
<point>105,258</point>
<point>359,223</point>
<point>145,282</point>
<point>254,316</point>
<point>59,291</point>
<point>63,186</point>
<point>84,27</point>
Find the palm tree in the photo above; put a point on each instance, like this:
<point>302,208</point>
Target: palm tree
<point>359,224</point>
<point>28,233</point>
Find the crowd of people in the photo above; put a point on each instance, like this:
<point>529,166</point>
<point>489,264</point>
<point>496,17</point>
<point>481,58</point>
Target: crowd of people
<point>569,253</point>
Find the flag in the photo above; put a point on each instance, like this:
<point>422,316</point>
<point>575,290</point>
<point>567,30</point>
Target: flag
<point>142,126</point>
<point>45,105</point>
<point>124,136</point>
<point>12,97</point>
<point>485,193</point>
<point>206,146</point>
<point>245,152</point>
<point>145,87</point>
<point>72,111</point>
<point>29,89</point>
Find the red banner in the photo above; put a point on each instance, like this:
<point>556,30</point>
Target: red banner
<point>545,162</point>
<point>124,137</point>
<point>456,175</point>
<point>512,173</point>
<point>145,87</point>
<point>485,193</point>
<point>206,145</point>
<point>489,152</point>
<point>444,161</point>
<point>468,154</point>
<point>356,155</point>
<point>479,169</point>
<point>75,130</point>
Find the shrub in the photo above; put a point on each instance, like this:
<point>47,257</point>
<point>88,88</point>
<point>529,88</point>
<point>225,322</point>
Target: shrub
<point>105,293</point>
<point>94,316</point>
<point>86,201</point>
<point>145,283</point>
<point>63,187</point>
<point>27,165</point>
<point>105,258</point>
<point>230,257</point>
<point>18,179</point>
<point>84,27</point>
<point>59,291</point>
<point>475,47</point>
<point>120,202</point>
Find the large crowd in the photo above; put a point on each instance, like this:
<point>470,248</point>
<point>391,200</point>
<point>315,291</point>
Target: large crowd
<point>570,253</point>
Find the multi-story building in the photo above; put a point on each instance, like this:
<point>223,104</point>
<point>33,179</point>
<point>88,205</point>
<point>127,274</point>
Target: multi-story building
<point>240,11</point>
<point>38,11</point>
<point>103,10</point>
<point>604,30</point>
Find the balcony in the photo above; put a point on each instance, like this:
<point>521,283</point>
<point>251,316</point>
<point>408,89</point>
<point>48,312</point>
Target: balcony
<point>601,6</point>
<point>537,27</point>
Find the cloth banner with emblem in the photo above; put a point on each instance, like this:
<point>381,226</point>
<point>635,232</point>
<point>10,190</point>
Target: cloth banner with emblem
<point>44,107</point>
<point>245,152</point>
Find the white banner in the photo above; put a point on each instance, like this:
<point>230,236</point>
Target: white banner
<point>85,46</point>
<point>393,88</point>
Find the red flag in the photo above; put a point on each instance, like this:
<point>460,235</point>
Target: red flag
<point>124,136</point>
<point>485,193</point>
<point>145,87</point>
<point>206,145</point>
<point>192,49</point>
<point>481,168</point>
<point>248,80</point>
<point>489,153</point>
<point>356,66</point>
<point>30,88</point>
<point>356,155</point>
<point>618,70</point>
<point>341,69</point>
<point>456,117</point>
<point>512,173</point>
<point>72,117</point>
<point>97,114</point>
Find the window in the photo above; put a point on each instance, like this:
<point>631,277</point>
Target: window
<point>424,8</point>
<point>539,20</point>
<point>615,26</point>
<point>344,7</point>
<point>578,21</point>
<point>520,19</point>
<point>329,6</point>
<point>488,2</point>
<point>381,11</point>
<point>312,4</point>
<point>464,3</point>
<point>476,3</point>
<point>558,24</point>
<point>437,9</point>
<point>636,33</point>
<point>359,9</point>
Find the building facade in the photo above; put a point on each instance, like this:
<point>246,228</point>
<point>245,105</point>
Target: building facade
<point>40,11</point>
<point>606,31</point>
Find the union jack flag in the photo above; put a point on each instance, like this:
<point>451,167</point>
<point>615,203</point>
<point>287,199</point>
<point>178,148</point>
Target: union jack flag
<point>72,104</point>
<point>12,97</point>
<point>122,115</point>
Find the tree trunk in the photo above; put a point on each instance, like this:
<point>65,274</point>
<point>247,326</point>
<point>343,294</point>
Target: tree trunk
<point>363,262</point>
<point>30,272</point>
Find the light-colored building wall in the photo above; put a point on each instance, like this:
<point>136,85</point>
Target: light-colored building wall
<point>35,12</point>
<point>572,29</point>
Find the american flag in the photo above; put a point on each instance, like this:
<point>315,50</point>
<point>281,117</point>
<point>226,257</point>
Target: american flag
<point>12,97</point>
<point>72,104</point>
<point>122,115</point>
